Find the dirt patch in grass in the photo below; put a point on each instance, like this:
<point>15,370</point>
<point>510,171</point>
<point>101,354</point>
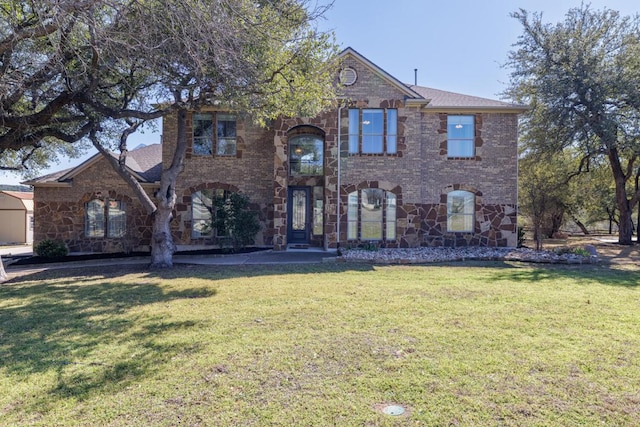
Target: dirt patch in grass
<point>607,251</point>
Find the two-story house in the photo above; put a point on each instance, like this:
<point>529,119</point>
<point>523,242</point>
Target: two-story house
<point>393,165</point>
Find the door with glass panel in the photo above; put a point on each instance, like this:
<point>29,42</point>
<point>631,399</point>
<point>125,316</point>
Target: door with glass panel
<point>299,215</point>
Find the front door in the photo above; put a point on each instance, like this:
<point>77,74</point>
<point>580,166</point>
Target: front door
<point>299,214</point>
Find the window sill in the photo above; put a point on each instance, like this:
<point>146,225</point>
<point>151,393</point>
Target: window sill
<point>373,154</point>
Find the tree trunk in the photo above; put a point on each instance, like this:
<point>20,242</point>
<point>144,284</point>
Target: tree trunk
<point>625,226</point>
<point>3,273</point>
<point>581,226</point>
<point>537,231</point>
<point>162,246</point>
<point>161,211</point>
<point>637,188</point>
<point>557,218</point>
<point>638,226</point>
<point>612,219</point>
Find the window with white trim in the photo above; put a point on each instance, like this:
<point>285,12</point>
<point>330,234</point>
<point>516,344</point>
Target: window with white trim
<point>460,211</point>
<point>373,131</point>
<point>461,136</point>
<point>371,215</point>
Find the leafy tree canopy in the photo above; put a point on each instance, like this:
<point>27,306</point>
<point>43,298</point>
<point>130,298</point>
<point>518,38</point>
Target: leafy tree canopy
<point>581,77</point>
<point>70,67</point>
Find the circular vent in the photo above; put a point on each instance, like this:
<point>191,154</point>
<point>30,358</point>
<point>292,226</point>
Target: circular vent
<point>348,76</point>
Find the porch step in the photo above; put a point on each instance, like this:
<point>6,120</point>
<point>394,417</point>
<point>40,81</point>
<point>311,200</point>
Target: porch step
<point>298,246</point>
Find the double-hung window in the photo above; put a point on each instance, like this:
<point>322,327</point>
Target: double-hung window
<point>373,131</point>
<point>460,136</point>
<point>105,218</point>
<point>224,142</point>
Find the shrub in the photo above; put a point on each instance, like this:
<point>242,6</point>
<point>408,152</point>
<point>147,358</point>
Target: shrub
<point>235,217</point>
<point>582,252</point>
<point>565,250</point>
<point>521,237</point>
<point>51,248</point>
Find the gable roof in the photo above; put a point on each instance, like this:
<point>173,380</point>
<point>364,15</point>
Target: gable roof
<point>144,163</point>
<point>435,99</point>
<point>408,91</point>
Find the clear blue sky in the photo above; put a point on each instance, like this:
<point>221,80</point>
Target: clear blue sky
<point>457,45</point>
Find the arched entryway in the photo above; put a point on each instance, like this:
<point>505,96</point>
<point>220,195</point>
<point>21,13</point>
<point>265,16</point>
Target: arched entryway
<point>305,192</point>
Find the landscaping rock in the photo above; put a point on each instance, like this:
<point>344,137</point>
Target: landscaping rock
<point>440,254</point>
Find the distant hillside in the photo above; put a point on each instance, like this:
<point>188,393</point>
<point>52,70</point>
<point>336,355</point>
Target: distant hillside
<point>16,188</point>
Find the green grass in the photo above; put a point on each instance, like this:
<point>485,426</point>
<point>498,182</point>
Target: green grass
<point>474,344</point>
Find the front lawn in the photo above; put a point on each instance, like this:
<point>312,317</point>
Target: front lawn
<point>322,345</point>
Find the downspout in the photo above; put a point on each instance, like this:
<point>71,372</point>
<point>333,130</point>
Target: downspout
<point>339,176</point>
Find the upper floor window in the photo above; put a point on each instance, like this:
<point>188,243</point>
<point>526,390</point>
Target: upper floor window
<point>371,215</point>
<point>306,155</point>
<point>105,218</point>
<point>203,136</point>
<point>373,131</point>
<point>460,211</point>
<point>226,142</point>
<point>460,136</point>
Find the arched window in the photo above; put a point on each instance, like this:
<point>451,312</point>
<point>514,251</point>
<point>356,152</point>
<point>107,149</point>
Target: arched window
<point>460,211</point>
<point>203,207</point>
<point>306,155</point>
<point>371,215</point>
<point>105,218</point>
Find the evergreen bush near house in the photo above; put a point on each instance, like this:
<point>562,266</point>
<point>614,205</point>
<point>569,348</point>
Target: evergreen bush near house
<point>521,237</point>
<point>51,248</point>
<point>234,216</point>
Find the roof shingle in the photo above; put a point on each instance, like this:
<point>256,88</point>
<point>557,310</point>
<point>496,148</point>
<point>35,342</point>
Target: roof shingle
<point>444,99</point>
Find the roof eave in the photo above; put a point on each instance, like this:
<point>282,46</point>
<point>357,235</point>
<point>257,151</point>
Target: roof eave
<point>479,109</point>
<point>48,184</point>
<point>150,184</point>
<point>411,102</point>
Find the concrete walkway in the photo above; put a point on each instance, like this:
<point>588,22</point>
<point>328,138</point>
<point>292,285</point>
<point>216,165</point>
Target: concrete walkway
<point>9,250</point>
<point>266,257</point>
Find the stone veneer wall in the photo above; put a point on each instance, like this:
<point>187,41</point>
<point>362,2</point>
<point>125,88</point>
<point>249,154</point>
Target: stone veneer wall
<point>283,128</point>
<point>59,212</point>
